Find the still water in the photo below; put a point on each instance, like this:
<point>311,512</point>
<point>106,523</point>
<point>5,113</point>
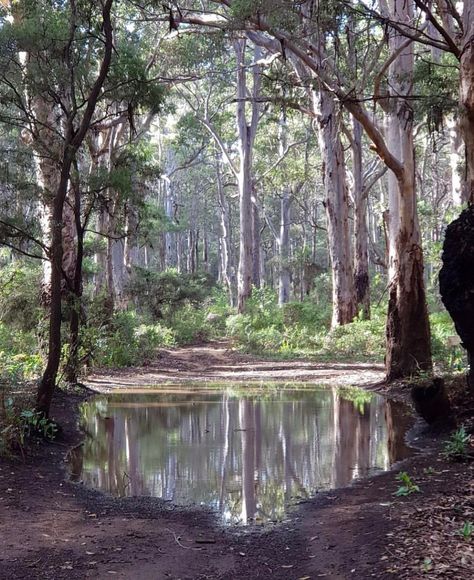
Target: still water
<point>249,453</point>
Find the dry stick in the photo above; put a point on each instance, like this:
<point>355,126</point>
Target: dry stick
<point>177,538</point>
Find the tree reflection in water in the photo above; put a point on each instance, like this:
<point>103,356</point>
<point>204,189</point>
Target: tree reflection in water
<point>249,453</point>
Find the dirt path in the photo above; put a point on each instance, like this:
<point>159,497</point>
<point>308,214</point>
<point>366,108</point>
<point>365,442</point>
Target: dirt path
<point>217,362</point>
<point>53,529</point>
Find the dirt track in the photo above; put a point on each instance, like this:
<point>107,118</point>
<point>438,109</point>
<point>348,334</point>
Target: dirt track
<point>216,362</point>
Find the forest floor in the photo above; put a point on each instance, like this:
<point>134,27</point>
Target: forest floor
<point>52,528</point>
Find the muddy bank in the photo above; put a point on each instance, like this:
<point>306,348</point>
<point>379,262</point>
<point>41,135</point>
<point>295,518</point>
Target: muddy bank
<point>51,528</point>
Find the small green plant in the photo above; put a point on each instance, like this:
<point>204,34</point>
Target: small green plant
<point>467,530</point>
<point>456,447</point>
<point>427,565</point>
<point>407,486</point>
<point>35,423</point>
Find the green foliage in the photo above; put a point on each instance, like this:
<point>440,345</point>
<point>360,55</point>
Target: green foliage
<point>467,530</point>
<point>358,397</point>
<point>362,339</point>
<point>19,318</point>
<point>449,358</point>
<point>19,423</point>
<point>126,341</point>
<point>456,448</point>
<point>407,486</point>
<point>129,76</point>
<point>302,329</point>
<point>160,294</point>
<point>427,564</point>
<point>19,367</point>
<point>437,83</point>
<point>20,295</point>
<point>35,423</point>
<point>189,325</point>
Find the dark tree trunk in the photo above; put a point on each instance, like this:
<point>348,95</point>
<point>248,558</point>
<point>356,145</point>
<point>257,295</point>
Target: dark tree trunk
<point>48,381</point>
<point>456,281</point>
<point>72,365</point>
<point>72,142</point>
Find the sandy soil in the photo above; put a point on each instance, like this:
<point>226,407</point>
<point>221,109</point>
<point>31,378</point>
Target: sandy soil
<point>216,362</point>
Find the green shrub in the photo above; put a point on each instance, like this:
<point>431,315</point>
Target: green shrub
<point>159,294</point>
<point>20,288</point>
<point>449,358</point>
<point>15,368</point>
<point>456,448</point>
<point>191,325</point>
<point>127,341</point>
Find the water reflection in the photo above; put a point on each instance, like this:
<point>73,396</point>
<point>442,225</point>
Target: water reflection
<point>247,453</point>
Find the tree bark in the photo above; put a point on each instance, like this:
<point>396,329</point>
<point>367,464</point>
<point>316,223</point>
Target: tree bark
<point>361,231</point>
<point>72,142</point>
<point>224,243</point>
<point>408,332</point>
<point>337,210</point>
<point>284,279</point>
<point>466,97</point>
<point>247,134</point>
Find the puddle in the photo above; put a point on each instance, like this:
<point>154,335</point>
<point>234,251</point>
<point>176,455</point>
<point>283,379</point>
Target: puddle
<point>249,453</point>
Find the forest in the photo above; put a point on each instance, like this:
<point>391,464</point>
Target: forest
<point>236,289</point>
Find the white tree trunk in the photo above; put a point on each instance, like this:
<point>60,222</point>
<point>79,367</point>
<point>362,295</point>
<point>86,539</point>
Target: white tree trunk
<point>284,279</point>
<point>247,132</point>
<point>225,259</point>
<point>337,210</point>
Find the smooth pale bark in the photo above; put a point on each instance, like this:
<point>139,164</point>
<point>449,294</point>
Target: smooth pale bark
<point>284,278</point>
<point>48,149</point>
<point>246,131</point>
<point>456,160</point>
<point>131,250</point>
<point>336,200</point>
<point>337,210</point>
<point>225,255</point>
<point>257,262</point>
<point>191,252</point>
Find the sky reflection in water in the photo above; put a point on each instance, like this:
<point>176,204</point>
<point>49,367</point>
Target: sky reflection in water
<point>247,452</point>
